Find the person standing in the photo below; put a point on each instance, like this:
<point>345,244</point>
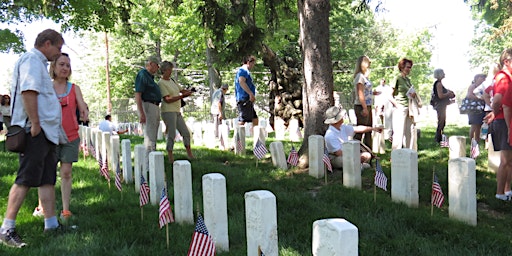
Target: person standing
<point>475,119</point>
<point>245,92</point>
<point>36,107</point>
<point>499,120</point>
<point>71,99</point>
<point>363,98</point>
<point>171,114</point>
<point>443,97</point>
<point>218,106</point>
<point>148,98</point>
<point>5,109</point>
<point>404,126</point>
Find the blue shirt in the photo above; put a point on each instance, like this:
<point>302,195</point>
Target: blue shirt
<point>146,85</point>
<point>31,73</point>
<point>240,94</point>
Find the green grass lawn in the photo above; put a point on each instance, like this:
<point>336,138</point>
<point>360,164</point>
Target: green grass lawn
<point>110,223</point>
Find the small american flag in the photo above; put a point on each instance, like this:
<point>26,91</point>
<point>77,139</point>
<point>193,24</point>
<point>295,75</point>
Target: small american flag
<point>444,141</point>
<point>326,160</point>
<point>165,213</point>
<point>100,162</point>
<point>202,243</point>
<point>104,170</point>
<point>381,180</point>
<point>293,158</point>
<point>238,143</point>
<point>117,181</point>
<point>475,150</point>
<point>437,193</point>
<point>260,150</point>
<point>92,149</point>
<point>144,191</point>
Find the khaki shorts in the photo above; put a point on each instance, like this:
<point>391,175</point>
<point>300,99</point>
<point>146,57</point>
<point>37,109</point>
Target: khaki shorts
<point>68,153</point>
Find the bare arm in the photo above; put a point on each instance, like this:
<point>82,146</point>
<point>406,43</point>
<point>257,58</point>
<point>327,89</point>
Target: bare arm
<point>245,87</point>
<point>30,105</point>
<point>82,106</point>
<point>138,100</point>
<point>184,94</point>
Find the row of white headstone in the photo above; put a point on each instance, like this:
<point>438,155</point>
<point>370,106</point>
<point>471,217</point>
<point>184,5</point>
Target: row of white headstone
<point>261,219</point>
<point>330,236</point>
<point>203,132</point>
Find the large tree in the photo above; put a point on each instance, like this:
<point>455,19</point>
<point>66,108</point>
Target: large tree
<point>316,63</point>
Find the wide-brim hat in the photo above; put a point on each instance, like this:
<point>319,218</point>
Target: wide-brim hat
<point>334,114</point>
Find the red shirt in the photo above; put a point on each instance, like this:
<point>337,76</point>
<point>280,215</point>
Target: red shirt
<point>502,86</point>
<point>69,120</point>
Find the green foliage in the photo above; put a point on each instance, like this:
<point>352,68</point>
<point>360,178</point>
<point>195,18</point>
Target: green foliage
<point>109,223</point>
<point>11,41</point>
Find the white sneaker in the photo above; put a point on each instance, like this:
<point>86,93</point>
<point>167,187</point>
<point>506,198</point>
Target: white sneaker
<point>504,197</point>
<point>38,212</point>
<point>508,193</point>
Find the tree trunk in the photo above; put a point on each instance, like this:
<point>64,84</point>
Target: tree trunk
<point>317,68</point>
<point>211,59</point>
<point>285,100</point>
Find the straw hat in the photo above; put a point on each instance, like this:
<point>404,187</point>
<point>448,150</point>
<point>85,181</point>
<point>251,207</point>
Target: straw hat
<point>334,114</point>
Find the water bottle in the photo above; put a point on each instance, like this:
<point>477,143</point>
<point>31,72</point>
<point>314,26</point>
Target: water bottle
<point>484,131</point>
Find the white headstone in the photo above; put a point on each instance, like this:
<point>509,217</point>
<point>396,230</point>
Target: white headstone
<point>462,190</point>
<point>294,130</point>
<point>335,237</point>
<point>493,157</point>
<point>105,148</point>
<point>127,161</point>
<point>352,164</point>
<point>224,136</point>
<point>209,137</point>
<point>197,134</point>
<point>404,177</point>
<point>99,143</point>
<point>316,152</point>
<point>261,223</point>
<point>140,162</point>
<point>279,128</point>
<point>216,210</point>
<point>259,133</point>
<point>114,152</point>
<point>278,156</point>
<point>457,146</point>
<point>379,145</point>
<point>182,180</point>
<point>160,131</point>
<point>156,176</point>
<point>248,129</point>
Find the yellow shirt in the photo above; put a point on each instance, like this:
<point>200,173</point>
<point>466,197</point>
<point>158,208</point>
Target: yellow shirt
<point>171,88</point>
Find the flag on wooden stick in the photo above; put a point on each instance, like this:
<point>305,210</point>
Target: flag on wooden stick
<point>293,157</point>
<point>437,193</point>
<point>117,181</point>
<point>260,150</point>
<point>326,160</point>
<point>381,180</point>
<point>165,215</point>
<point>144,191</point>
<point>202,243</point>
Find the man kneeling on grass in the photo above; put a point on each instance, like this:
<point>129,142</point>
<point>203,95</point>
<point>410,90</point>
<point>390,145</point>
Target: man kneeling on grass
<point>338,133</point>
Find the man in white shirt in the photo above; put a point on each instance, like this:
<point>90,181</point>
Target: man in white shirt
<point>36,107</point>
<point>107,126</point>
<point>338,133</point>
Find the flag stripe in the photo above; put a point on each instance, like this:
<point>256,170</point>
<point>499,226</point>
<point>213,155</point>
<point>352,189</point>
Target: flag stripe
<point>202,243</point>
<point>381,180</point>
<point>437,193</point>
<point>144,191</point>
